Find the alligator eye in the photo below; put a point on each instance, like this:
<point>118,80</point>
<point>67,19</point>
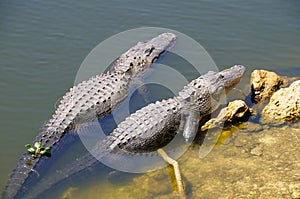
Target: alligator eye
<point>129,71</point>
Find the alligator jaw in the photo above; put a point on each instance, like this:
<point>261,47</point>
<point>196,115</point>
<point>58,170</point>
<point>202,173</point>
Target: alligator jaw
<point>232,76</point>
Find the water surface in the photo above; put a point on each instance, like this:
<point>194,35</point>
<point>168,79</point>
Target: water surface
<point>42,44</point>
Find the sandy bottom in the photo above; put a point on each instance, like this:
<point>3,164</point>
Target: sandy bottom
<point>243,164</point>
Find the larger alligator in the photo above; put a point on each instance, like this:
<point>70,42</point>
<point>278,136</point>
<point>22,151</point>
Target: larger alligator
<point>97,96</point>
<point>156,124</point>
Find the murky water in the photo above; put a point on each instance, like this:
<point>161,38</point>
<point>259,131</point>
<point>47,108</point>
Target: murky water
<point>42,45</point>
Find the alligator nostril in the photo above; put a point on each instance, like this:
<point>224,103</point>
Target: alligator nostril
<point>149,51</point>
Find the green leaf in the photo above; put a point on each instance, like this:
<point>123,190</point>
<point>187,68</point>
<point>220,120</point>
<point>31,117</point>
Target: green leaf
<point>37,145</point>
<point>31,150</point>
<point>48,150</point>
<point>28,145</point>
<point>42,152</point>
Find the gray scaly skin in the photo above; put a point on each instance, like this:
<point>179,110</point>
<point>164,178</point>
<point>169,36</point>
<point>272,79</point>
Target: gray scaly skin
<point>156,124</point>
<point>92,98</point>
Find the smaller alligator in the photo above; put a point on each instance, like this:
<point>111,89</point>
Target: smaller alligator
<point>156,124</point>
<point>89,100</point>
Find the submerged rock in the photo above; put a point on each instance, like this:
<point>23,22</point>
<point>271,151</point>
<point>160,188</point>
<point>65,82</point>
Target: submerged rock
<point>257,151</point>
<point>69,193</point>
<point>263,84</point>
<point>284,104</point>
<point>253,127</point>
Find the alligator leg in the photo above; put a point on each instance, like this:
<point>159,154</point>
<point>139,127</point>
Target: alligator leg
<point>177,173</point>
<point>190,125</point>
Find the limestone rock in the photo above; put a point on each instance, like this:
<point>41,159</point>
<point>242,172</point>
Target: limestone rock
<point>263,84</point>
<point>284,104</point>
<point>235,110</point>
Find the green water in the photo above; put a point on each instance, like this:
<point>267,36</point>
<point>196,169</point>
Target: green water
<point>42,44</point>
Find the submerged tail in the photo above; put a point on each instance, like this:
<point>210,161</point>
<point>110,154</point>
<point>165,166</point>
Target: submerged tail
<point>71,170</point>
<point>29,170</point>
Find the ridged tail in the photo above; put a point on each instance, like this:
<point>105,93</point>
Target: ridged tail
<point>29,170</point>
<point>69,171</point>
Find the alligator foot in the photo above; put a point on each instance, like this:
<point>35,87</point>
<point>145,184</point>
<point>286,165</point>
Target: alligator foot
<point>177,173</point>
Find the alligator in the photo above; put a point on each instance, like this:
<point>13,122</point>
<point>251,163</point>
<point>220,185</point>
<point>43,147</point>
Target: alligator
<point>155,125</point>
<point>90,99</point>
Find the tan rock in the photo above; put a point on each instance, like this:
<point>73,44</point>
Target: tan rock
<point>284,104</point>
<point>263,84</point>
<point>235,110</point>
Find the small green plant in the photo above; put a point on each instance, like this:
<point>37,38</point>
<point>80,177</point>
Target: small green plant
<point>38,149</point>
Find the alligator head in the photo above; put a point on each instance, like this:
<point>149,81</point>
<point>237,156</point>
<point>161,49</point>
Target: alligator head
<point>140,57</point>
<point>203,95</point>
<point>212,86</point>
